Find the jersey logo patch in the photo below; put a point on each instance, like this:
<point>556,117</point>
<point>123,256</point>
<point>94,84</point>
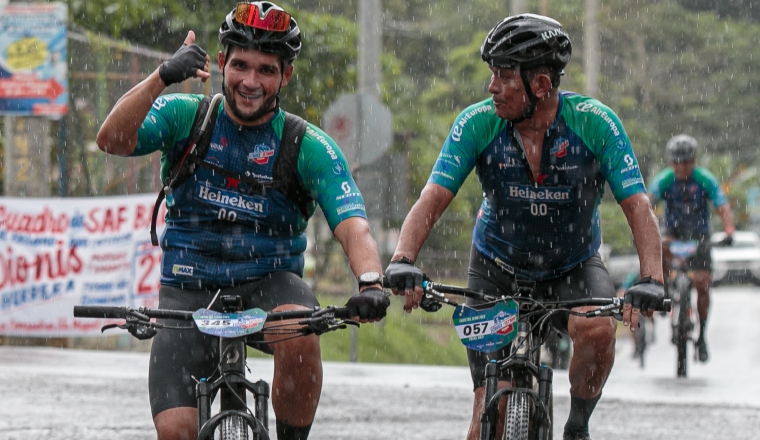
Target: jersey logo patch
<point>261,154</point>
<point>560,147</point>
<point>178,269</point>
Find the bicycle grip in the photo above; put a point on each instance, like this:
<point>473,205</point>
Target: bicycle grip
<point>99,312</point>
<point>343,312</point>
<point>665,305</point>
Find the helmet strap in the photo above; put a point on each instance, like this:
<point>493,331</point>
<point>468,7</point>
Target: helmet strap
<point>532,99</point>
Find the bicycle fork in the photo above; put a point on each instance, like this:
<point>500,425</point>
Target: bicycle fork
<point>524,370</point>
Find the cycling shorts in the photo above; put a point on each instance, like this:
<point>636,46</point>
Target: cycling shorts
<point>589,279</point>
<point>179,356</point>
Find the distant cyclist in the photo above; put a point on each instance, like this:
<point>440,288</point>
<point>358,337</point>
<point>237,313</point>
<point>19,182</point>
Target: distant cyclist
<point>687,191</point>
<point>224,232</point>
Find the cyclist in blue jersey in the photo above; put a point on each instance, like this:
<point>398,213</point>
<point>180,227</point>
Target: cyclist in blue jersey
<point>688,191</point>
<point>542,157</point>
<point>223,234</point>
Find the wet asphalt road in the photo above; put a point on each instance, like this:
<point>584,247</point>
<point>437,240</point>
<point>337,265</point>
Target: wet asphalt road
<point>57,394</point>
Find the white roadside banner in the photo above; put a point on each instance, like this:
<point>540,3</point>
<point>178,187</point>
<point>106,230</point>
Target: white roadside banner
<point>60,252</point>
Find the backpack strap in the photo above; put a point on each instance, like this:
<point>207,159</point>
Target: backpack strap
<point>286,163</point>
<point>195,151</point>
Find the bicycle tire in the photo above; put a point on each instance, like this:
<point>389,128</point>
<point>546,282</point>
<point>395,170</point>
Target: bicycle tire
<point>640,340</point>
<point>517,417</point>
<point>683,286</point>
<point>233,428</point>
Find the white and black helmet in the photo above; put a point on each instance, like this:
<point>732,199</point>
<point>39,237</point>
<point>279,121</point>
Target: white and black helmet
<point>681,148</point>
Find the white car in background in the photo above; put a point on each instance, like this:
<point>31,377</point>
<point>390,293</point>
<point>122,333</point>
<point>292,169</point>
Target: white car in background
<point>738,263</point>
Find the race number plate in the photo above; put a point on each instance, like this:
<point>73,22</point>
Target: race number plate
<point>229,325</point>
<point>486,329</point>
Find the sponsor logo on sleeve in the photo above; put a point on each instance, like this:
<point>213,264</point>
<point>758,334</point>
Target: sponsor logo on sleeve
<point>322,140</point>
<point>630,164</point>
<point>349,207</point>
<point>634,181</point>
<point>588,107</point>
<point>457,130</point>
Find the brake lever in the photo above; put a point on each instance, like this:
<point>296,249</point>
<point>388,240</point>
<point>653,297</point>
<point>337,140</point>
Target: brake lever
<point>608,310</point>
<point>434,295</point>
<point>140,329</point>
<point>320,326</point>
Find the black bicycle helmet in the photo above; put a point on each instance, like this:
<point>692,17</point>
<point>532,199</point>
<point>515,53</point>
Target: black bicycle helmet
<point>286,45</point>
<point>681,148</point>
<point>526,41</point>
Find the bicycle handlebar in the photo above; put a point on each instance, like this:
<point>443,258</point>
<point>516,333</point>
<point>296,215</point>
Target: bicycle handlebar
<point>607,306</point>
<point>145,314</point>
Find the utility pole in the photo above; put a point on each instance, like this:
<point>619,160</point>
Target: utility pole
<point>591,50</point>
<point>368,78</point>
<point>518,7</point>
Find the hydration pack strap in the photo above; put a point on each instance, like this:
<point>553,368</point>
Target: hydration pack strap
<point>197,147</point>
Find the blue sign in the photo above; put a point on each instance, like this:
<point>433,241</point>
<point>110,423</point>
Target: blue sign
<point>34,60</point>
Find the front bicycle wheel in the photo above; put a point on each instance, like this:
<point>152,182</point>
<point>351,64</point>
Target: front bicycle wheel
<point>517,418</point>
<point>233,428</point>
<point>684,324</point>
<point>640,341</point>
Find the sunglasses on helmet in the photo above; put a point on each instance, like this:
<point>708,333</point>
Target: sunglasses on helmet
<point>250,14</point>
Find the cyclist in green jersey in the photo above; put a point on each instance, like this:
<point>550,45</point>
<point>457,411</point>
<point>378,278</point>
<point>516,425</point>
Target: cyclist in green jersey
<point>221,234</point>
<point>688,191</point>
<point>543,157</point>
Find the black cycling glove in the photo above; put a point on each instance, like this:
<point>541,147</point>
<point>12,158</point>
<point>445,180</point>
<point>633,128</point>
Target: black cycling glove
<point>728,241</point>
<point>646,294</point>
<point>182,65</point>
<point>402,274</point>
<point>369,304</point>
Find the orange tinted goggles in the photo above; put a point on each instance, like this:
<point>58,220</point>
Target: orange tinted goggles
<point>249,14</point>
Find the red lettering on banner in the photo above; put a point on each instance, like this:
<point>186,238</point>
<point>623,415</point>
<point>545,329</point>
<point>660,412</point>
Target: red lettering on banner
<point>17,270</point>
<point>142,217</point>
<point>106,222</point>
<point>43,223</point>
<point>149,262</point>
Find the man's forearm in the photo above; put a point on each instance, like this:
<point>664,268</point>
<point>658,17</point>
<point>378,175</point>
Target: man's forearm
<point>646,235</point>
<point>118,134</point>
<point>420,221</point>
<point>727,218</point>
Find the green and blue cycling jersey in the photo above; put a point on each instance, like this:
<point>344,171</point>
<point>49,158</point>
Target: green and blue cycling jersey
<point>544,229</point>
<point>217,234</point>
<point>687,202</point>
